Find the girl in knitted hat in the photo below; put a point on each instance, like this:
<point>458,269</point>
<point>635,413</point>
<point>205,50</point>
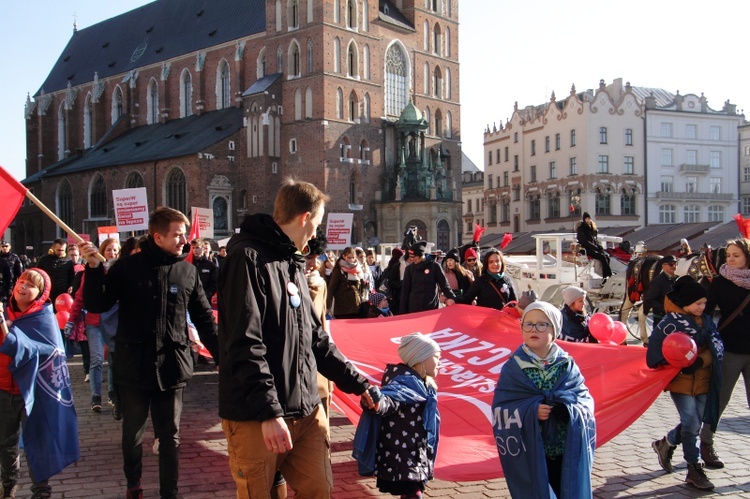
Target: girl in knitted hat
<point>695,389</point>
<point>543,414</point>
<point>379,306</point>
<point>575,318</point>
<point>397,440</point>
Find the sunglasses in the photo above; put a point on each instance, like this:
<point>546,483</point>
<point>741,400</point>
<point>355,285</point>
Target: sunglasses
<point>471,259</point>
<point>672,264</point>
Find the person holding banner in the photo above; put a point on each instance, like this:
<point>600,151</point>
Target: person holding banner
<point>543,414</point>
<point>156,288</point>
<point>422,278</point>
<point>271,339</point>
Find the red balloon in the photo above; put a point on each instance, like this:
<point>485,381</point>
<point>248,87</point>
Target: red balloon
<point>601,327</point>
<point>62,318</point>
<point>679,349</point>
<point>619,333</point>
<point>63,303</point>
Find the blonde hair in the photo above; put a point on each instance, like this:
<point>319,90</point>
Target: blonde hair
<point>33,277</point>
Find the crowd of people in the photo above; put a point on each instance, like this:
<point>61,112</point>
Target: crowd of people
<point>277,287</point>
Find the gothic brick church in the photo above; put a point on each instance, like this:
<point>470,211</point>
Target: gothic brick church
<point>212,103</point>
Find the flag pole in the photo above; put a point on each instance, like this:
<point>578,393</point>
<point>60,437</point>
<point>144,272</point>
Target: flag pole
<point>60,223</point>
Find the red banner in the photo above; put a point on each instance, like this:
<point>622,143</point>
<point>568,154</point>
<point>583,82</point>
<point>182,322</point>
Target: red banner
<point>475,343</point>
<point>12,193</point>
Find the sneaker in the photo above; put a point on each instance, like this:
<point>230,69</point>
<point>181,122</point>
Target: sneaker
<point>664,452</point>
<point>697,477</point>
<point>96,403</point>
<point>134,493</point>
<point>710,457</point>
<point>86,378</point>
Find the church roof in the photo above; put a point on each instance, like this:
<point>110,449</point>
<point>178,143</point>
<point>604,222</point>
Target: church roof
<point>144,144</point>
<point>156,32</point>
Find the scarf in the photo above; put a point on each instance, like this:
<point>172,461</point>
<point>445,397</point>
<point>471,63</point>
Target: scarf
<point>353,271</point>
<point>541,363</point>
<point>497,277</point>
<point>740,277</point>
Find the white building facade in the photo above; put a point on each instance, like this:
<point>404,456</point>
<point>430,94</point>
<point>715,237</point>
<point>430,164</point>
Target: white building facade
<point>745,169</point>
<point>553,162</point>
<point>692,160</point>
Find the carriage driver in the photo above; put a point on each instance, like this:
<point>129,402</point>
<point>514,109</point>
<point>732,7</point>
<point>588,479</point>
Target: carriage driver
<point>659,287</point>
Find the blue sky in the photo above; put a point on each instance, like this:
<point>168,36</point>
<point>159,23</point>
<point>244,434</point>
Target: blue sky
<point>509,51</point>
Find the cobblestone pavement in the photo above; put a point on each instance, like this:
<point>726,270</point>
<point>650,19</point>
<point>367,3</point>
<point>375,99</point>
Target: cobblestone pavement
<point>624,467</point>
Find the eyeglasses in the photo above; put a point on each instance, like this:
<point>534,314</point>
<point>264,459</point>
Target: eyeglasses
<point>471,259</point>
<point>541,327</point>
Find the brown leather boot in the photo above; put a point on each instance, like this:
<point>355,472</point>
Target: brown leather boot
<point>710,457</point>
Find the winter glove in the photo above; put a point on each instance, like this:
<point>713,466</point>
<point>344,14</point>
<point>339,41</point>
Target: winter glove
<point>560,413</point>
<point>68,329</point>
<point>693,367</point>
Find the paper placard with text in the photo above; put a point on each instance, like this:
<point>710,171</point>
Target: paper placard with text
<point>131,209</point>
<point>205,221</point>
<point>339,230</point>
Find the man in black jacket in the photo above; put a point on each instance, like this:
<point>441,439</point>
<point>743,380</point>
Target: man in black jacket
<point>422,278</point>
<point>59,267</point>
<point>658,288</point>
<point>207,270</point>
<point>156,288</point>
<point>271,342</point>
<point>14,261</point>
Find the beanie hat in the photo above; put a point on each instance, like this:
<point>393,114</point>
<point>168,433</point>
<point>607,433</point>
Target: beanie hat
<point>417,249</point>
<point>572,293</point>
<point>376,298</point>
<point>686,291</point>
<point>453,254</point>
<point>586,215</point>
<point>552,312</point>
<point>397,253</point>
<point>470,253</point>
<point>416,348</point>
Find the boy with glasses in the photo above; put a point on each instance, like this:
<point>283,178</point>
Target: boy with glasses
<point>544,413</point>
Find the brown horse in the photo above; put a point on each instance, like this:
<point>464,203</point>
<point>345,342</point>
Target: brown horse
<point>703,266</point>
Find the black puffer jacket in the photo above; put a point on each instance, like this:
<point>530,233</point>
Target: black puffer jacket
<point>60,270</point>
<point>490,292</point>
<point>155,290</point>
<point>269,348</point>
<point>419,289</point>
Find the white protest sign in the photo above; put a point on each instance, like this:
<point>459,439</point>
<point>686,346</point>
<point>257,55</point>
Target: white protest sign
<point>339,230</point>
<point>205,221</point>
<point>131,209</point>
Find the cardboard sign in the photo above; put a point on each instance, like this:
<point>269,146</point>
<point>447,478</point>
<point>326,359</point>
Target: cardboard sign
<point>339,230</point>
<point>131,209</point>
<point>205,218</point>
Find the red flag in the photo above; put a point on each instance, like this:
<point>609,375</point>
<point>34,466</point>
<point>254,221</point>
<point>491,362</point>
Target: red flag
<point>743,224</point>
<point>12,193</point>
<point>195,233</point>
<point>475,343</point>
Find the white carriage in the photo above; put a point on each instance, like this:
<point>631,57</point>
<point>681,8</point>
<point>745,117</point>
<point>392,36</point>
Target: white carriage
<point>558,263</point>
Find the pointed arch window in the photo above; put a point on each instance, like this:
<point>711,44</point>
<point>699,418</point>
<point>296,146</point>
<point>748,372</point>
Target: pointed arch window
<point>437,44</point>
<point>447,84</point>
<point>428,120</point>
<point>310,60</point>
<point>152,98</point>
<point>308,103</point>
<point>426,35</point>
<point>366,62</point>
<point>293,7</point>
<point>438,83</point>
<point>339,104</point>
<point>116,104</point>
<point>351,14</point>
<point>426,78</point>
<point>65,203</point>
<point>62,131</point>
<point>448,125</point>
<point>366,111</point>
<point>352,61</point>
<point>186,94</point>
<point>447,41</point>
<point>223,95</point>
<point>353,107</point>
<point>294,59</point>
<point>365,20</point>
<point>87,119</point>
<point>438,123</point>
<point>176,190</point>
<point>396,73</point>
<point>261,70</point>
<point>336,55</point>
<point>336,11</point>
<point>134,181</point>
<point>98,198</point>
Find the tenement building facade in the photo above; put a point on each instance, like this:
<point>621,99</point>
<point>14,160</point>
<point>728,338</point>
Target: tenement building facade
<point>602,151</point>
<point>212,104</point>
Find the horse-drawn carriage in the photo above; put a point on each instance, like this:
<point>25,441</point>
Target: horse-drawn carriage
<point>558,262</point>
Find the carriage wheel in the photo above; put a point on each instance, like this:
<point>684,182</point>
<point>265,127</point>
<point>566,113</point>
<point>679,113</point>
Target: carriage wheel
<point>636,322</point>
